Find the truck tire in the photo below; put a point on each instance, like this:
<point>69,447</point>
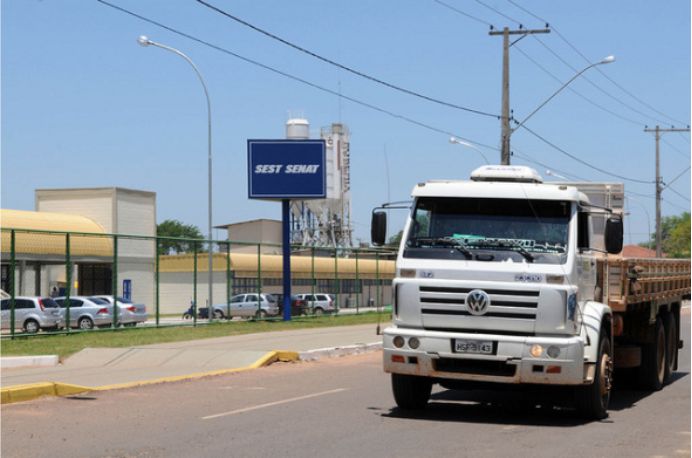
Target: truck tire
<point>653,368</point>
<point>670,326</point>
<point>593,400</point>
<point>411,392</point>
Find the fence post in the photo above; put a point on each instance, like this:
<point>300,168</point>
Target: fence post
<point>68,278</point>
<point>259,279</point>
<point>229,288</point>
<point>358,288</point>
<point>313,280</point>
<point>336,280</point>
<point>158,279</point>
<point>115,281</point>
<point>13,285</point>
<point>194,284</point>
<point>377,279</point>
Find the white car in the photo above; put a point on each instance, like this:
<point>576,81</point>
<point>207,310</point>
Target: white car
<point>129,313</point>
<point>248,305</point>
<point>86,312</point>
<point>32,314</point>
<point>318,303</point>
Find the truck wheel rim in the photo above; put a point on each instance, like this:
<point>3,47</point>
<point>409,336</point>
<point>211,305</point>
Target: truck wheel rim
<point>606,375</point>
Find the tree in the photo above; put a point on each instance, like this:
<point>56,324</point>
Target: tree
<point>175,228</point>
<point>395,239</point>
<point>676,241</point>
<point>675,236</point>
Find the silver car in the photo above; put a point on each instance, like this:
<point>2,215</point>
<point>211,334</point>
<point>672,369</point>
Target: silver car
<point>319,303</point>
<point>31,313</point>
<point>129,313</point>
<point>246,305</point>
<point>86,312</point>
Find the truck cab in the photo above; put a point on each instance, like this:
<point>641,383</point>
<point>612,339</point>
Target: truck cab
<point>496,281</point>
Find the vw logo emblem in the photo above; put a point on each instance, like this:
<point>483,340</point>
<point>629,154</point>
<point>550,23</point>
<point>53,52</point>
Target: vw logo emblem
<point>477,302</point>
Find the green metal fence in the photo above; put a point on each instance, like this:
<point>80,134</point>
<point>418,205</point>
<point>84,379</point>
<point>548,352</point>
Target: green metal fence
<point>169,276</point>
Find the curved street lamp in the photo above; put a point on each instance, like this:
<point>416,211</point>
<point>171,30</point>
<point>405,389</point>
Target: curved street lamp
<point>469,145</point>
<point>145,41</point>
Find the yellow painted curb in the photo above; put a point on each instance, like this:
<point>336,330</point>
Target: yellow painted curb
<point>31,391</point>
<point>28,392</point>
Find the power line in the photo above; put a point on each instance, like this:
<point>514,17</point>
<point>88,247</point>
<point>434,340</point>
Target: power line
<point>499,12</point>
<point>581,161</point>
<point>575,49</point>
<point>532,160</point>
<point>674,148</point>
<point>296,78</point>
<point>344,67</point>
<point>678,176</point>
<point>464,13</point>
<point>680,195</point>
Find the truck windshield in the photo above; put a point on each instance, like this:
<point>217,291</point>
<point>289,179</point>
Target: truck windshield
<point>489,229</point>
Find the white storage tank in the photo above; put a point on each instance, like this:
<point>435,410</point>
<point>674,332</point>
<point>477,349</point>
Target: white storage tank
<point>297,129</point>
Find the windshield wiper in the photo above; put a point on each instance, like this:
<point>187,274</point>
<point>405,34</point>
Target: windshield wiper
<point>494,243</point>
<point>445,241</point>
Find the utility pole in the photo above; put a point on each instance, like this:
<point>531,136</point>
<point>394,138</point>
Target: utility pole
<point>657,131</point>
<point>506,130</point>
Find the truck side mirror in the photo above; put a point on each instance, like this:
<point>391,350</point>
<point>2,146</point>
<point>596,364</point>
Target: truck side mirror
<point>378,228</point>
<point>613,235</point>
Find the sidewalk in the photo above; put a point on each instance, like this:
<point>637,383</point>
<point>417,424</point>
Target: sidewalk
<point>111,368</point>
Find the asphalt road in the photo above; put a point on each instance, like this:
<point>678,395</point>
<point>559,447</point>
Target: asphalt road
<point>342,407</point>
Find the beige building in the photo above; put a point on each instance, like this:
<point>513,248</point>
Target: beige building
<point>264,231</point>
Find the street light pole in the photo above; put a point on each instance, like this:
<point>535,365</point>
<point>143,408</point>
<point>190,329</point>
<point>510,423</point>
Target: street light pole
<point>469,145</point>
<point>506,136</point>
<point>144,41</point>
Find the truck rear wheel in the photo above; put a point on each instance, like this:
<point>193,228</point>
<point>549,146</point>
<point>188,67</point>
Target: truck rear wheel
<point>593,400</point>
<point>653,368</point>
<point>670,326</point>
<point>411,392</point>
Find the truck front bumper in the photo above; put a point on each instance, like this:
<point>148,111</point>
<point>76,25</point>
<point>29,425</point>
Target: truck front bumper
<point>511,361</point>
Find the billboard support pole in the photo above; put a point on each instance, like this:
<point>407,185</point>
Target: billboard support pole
<point>285,217</point>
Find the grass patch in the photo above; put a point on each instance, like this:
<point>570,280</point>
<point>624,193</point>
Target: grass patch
<point>65,345</point>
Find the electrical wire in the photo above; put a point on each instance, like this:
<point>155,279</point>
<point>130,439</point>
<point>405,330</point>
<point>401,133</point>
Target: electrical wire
<point>464,13</point>
<point>680,195</point>
<point>581,161</point>
<point>586,59</point>
<point>674,148</point>
<point>298,79</point>
<point>674,179</point>
<point>527,158</point>
<point>345,67</point>
<point>499,12</point>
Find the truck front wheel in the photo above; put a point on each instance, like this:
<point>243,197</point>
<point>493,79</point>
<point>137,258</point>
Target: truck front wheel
<point>593,400</point>
<point>411,392</point>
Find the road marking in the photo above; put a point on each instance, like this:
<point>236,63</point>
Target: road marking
<point>271,404</point>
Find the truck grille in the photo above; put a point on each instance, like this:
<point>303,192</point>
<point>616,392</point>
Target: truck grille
<point>475,367</point>
<point>509,310</point>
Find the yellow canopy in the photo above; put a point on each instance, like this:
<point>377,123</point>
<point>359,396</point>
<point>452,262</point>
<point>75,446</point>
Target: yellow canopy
<point>40,244</point>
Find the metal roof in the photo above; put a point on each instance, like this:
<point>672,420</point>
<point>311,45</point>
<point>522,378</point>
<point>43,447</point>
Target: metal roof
<point>40,236</point>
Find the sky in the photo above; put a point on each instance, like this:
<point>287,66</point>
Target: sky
<point>83,105</point>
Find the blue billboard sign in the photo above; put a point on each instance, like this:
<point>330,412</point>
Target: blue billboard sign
<point>127,289</point>
<point>286,169</point>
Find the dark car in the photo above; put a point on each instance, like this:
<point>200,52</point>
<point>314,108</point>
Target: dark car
<point>298,305</point>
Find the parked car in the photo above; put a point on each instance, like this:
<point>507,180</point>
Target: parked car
<point>86,312</point>
<point>31,313</point>
<point>246,305</point>
<point>298,305</point>
<point>129,313</point>
<point>318,303</point>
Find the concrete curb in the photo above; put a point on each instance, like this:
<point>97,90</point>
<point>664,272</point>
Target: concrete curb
<point>11,362</point>
<point>19,393</point>
<point>335,352</point>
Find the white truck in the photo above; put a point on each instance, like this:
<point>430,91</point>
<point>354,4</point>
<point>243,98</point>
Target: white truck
<point>498,280</point>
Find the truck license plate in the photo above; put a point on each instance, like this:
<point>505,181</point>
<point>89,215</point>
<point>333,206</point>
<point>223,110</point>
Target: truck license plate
<point>482,347</point>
